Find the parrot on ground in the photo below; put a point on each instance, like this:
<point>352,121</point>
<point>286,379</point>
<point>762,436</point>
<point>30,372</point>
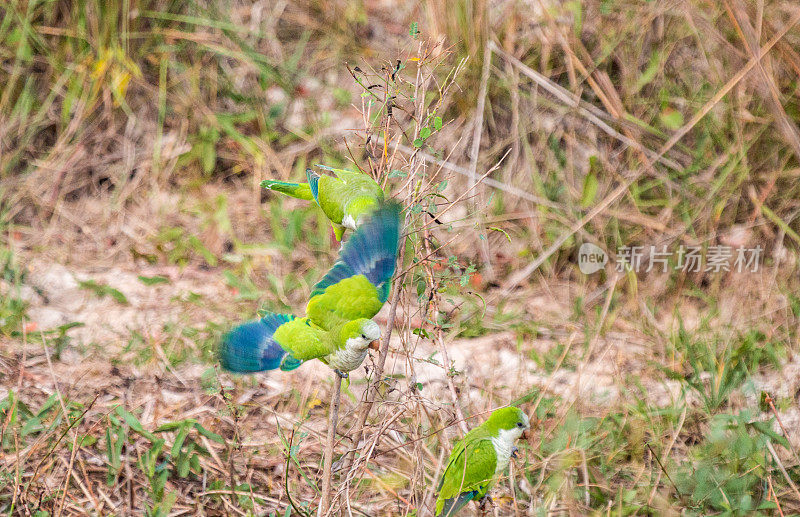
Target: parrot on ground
<point>347,200</point>
<point>478,458</point>
<point>337,328</point>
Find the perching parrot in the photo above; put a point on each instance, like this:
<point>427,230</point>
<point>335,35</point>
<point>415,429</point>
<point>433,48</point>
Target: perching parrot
<point>346,200</point>
<point>337,328</point>
<point>478,459</point>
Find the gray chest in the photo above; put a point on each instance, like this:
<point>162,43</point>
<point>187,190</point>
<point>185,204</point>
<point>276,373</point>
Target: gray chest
<point>503,447</point>
<point>346,360</point>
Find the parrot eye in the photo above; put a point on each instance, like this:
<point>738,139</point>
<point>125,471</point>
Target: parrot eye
<point>520,424</point>
<point>363,336</point>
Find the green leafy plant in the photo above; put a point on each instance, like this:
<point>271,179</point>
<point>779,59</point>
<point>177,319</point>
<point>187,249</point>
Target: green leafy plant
<point>717,367</point>
<point>179,246</point>
<point>727,471</point>
<point>103,290</point>
<point>159,461</point>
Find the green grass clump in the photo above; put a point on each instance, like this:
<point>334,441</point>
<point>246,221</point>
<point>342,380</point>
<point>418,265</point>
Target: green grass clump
<point>729,473</point>
<point>716,366</point>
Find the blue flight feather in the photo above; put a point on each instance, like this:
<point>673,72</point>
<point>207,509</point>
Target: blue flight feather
<point>371,251</point>
<point>250,347</point>
<point>313,182</point>
<point>338,272</point>
<point>290,362</point>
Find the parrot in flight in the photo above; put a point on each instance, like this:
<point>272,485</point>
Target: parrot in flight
<point>478,458</point>
<point>337,328</point>
<point>347,200</point>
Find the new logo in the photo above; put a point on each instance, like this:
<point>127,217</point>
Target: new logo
<point>591,258</point>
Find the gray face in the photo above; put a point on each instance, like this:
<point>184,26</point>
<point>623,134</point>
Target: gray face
<point>370,334</point>
<point>370,331</point>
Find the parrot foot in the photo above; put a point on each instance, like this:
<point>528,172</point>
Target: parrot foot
<point>484,503</point>
<point>515,452</point>
<point>341,374</point>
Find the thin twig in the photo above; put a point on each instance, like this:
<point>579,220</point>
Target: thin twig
<point>488,269</point>
<point>325,498</point>
<point>489,182</point>
<point>369,393</point>
<point>778,461</point>
<point>663,469</point>
<point>433,316</point>
<point>773,494</point>
<point>286,481</point>
<point>768,400</point>
<point>666,454</point>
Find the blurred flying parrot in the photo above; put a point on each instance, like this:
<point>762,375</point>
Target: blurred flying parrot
<point>337,328</point>
<point>478,458</point>
<point>347,200</point>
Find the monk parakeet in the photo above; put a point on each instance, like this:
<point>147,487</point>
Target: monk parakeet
<point>478,459</point>
<point>347,200</point>
<point>337,328</point>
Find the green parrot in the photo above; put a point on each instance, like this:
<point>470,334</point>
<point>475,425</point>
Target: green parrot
<point>346,200</point>
<point>478,458</point>
<point>337,328</point>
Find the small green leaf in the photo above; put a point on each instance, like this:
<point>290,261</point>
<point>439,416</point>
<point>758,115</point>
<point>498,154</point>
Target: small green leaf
<point>208,157</point>
<point>418,143</point>
<point>172,426</point>
<point>199,247</point>
<point>194,461</point>
<point>135,425</point>
<point>183,466</point>
<point>153,280</point>
<point>85,441</point>
<point>766,429</point>
<point>179,439</point>
<point>421,332</point>
<point>413,31</point>
<point>208,434</point>
<point>424,133</point>
<point>496,229</point>
<point>650,72</point>
<point>102,290</point>
<point>671,118</point>
<point>590,186</point>
<point>437,123</point>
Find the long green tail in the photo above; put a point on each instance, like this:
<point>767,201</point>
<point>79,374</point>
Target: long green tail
<point>298,190</point>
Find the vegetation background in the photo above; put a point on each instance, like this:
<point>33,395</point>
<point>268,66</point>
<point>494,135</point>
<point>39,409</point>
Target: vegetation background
<point>133,233</point>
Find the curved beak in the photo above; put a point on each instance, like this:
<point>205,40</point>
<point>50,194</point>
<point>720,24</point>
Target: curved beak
<point>375,345</point>
<point>526,434</point>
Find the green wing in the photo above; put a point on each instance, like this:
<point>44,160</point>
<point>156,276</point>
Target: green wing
<point>359,184</point>
<point>348,191</point>
<point>363,193</point>
<point>303,339</point>
<point>347,300</point>
<point>469,473</point>
<point>332,197</point>
<point>358,284</point>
